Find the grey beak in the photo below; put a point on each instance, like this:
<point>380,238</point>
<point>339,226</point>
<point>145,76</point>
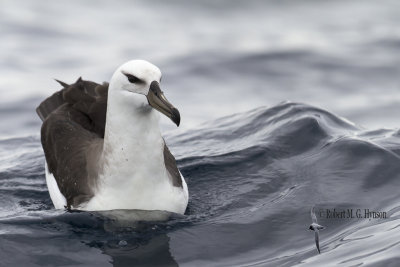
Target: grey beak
<point>157,100</point>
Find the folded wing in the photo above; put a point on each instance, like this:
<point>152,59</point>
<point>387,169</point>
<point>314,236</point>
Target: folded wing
<point>72,137</point>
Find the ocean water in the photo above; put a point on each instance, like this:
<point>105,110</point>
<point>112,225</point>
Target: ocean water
<point>285,105</point>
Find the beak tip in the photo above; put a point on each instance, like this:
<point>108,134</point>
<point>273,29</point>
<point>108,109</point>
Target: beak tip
<point>176,117</point>
<point>157,100</point>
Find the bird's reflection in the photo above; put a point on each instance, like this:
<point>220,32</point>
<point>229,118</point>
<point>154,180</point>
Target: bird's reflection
<point>153,251</point>
<point>130,237</point>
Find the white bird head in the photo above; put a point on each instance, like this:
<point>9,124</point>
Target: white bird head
<point>140,80</point>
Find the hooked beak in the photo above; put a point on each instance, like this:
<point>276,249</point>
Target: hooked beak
<point>157,100</point>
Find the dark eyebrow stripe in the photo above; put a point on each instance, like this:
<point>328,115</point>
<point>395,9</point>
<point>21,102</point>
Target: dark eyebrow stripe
<point>132,78</point>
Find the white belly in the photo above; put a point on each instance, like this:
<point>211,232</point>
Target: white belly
<point>161,196</point>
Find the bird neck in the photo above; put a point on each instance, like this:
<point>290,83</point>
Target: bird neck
<point>132,138</point>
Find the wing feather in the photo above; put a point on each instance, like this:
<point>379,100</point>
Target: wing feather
<point>317,240</point>
<point>72,136</point>
<point>170,164</point>
<point>313,217</point>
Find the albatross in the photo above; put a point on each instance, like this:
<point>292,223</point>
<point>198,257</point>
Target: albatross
<point>103,145</point>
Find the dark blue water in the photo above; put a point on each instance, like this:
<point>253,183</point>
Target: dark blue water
<point>254,165</point>
<point>253,178</point>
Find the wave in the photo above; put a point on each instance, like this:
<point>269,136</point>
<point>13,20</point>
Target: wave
<point>252,177</point>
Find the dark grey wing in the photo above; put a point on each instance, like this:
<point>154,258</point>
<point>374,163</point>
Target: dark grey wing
<point>317,240</point>
<point>87,97</point>
<point>50,104</point>
<point>313,217</point>
<point>172,168</point>
<point>72,136</point>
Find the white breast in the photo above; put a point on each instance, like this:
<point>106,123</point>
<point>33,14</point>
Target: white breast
<point>141,195</point>
<point>134,175</point>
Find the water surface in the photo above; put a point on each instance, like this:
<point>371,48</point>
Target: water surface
<point>254,165</point>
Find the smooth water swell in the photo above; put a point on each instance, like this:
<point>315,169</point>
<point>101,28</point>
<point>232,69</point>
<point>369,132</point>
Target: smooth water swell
<point>253,178</point>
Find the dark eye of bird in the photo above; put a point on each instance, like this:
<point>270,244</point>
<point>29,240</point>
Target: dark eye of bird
<point>132,78</point>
